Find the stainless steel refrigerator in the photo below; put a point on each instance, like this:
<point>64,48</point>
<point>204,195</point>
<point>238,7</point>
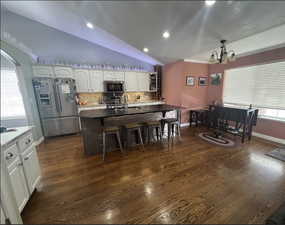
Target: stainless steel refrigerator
<point>57,105</point>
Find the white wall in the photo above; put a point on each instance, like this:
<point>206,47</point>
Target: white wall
<point>25,78</point>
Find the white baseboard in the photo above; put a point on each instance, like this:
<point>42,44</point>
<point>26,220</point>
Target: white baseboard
<point>184,124</point>
<point>269,138</point>
<point>39,141</point>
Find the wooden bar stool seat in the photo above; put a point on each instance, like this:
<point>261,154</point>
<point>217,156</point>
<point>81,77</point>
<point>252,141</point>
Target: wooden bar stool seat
<point>151,127</point>
<point>133,127</point>
<point>111,131</point>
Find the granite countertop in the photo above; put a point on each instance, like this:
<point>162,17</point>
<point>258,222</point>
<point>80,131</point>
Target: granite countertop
<point>104,113</point>
<point>7,137</point>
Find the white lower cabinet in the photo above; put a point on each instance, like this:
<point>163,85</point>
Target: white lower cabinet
<point>18,181</point>
<point>23,169</point>
<point>31,168</point>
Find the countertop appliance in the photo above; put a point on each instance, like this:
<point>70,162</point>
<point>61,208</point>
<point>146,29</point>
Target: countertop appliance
<point>57,105</point>
<point>114,86</point>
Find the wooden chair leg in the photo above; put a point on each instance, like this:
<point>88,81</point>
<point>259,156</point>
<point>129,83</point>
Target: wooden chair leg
<point>104,145</point>
<point>119,141</point>
<point>140,137</point>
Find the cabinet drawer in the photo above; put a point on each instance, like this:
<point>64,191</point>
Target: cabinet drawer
<point>25,141</point>
<point>11,154</point>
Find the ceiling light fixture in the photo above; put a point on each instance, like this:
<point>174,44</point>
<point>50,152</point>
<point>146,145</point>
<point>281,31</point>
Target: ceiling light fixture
<point>224,56</point>
<point>166,34</point>
<point>210,2</point>
<point>89,25</point>
<point>145,49</point>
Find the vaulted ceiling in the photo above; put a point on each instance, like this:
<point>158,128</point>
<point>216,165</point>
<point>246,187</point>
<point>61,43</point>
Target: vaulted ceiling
<point>129,26</point>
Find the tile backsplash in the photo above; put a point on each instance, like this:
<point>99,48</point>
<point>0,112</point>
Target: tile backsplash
<point>133,97</point>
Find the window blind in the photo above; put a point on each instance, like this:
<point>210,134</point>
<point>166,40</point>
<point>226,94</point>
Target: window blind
<point>261,85</point>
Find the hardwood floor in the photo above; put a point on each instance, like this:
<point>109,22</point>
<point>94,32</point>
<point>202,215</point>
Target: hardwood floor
<point>193,182</point>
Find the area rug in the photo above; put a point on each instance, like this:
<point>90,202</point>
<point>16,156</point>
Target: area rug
<point>278,153</point>
<point>222,141</point>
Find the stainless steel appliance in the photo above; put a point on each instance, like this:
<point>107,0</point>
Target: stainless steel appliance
<point>114,86</point>
<point>57,105</point>
<point>113,95</point>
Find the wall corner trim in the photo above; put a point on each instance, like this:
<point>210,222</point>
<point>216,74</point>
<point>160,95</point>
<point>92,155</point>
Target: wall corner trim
<point>269,138</point>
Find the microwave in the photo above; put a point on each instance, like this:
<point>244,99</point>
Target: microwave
<point>114,86</point>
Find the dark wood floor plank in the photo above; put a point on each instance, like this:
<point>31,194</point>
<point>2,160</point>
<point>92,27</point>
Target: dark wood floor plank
<point>192,182</point>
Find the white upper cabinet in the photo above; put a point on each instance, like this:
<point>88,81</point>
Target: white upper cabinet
<point>63,72</point>
<point>43,71</point>
<point>96,78</point>
<point>119,75</point>
<point>109,75</point>
<point>143,81</point>
<point>131,82</point>
<point>82,80</point>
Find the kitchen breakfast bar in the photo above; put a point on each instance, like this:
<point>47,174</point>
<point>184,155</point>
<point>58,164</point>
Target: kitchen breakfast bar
<point>94,121</point>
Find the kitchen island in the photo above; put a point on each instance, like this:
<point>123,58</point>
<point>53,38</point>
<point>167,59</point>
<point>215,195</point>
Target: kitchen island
<point>93,121</point>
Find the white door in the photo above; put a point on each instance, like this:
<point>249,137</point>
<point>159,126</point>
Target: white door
<point>82,80</point>
<point>43,71</point>
<point>96,80</point>
<point>63,72</point>
<point>31,168</point>
<point>131,81</point>
<point>18,181</point>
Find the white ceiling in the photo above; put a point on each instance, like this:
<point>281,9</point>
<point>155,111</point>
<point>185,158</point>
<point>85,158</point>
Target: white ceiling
<point>129,26</point>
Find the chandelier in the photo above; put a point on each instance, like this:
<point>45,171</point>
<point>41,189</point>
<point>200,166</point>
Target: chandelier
<point>224,56</point>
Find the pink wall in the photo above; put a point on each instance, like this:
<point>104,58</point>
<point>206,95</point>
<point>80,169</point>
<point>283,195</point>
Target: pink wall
<point>175,91</point>
<point>174,88</point>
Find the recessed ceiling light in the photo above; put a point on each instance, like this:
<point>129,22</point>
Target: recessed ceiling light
<point>210,2</point>
<point>166,34</point>
<point>89,25</point>
<point>145,49</point>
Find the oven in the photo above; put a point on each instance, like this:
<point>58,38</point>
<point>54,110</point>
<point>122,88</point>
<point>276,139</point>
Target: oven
<point>114,87</point>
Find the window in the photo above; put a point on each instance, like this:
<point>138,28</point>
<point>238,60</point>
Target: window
<point>12,106</point>
<point>263,86</point>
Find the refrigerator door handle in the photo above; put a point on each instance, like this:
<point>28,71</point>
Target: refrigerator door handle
<point>57,99</point>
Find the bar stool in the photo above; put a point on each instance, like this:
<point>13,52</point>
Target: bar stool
<point>133,127</point>
<point>171,123</point>
<point>151,126</point>
<point>109,131</point>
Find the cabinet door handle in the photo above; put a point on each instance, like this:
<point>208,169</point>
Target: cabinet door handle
<point>20,164</point>
<point>26,158</point>
<point>9,155</point>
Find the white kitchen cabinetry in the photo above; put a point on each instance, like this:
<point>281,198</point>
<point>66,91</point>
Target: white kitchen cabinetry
<point>82,80</point>
<point>63,72</point>
<point>131,82</point>
<point>31,167</point>
<point>43,71</point>
<point>17,177</point>
<point>110,75</point>
<point>119,75</point>
<point>143,82</point>
<point>21,165</point>
<point>96,78</point>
